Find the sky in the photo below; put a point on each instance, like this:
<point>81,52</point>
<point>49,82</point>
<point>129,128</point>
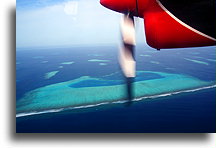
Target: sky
<point>53,23</point>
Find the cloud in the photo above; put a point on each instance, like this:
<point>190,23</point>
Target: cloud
<point>71,7</point>
<point>83,22</point>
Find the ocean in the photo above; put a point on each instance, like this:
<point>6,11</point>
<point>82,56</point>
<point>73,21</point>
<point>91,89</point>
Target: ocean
<point>81,90</point>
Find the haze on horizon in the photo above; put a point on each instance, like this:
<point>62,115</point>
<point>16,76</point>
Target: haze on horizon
<point>52,23</point>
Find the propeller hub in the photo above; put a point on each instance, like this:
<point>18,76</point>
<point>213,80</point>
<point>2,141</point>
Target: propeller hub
<point>135,7</point>
<point>120,6</point>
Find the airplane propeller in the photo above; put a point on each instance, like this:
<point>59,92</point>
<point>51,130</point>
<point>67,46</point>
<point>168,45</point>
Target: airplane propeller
<point>163,30</point>
<point>126,54</point>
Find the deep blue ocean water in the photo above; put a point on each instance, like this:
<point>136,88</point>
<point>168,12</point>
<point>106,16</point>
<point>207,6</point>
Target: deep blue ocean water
<point>184,112</point>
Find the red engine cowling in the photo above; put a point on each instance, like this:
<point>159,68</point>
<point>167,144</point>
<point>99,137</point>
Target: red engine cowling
<point>163,29</point>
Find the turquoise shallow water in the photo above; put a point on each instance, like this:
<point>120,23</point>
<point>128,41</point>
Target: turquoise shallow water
<point>50,74</point>
<point>197,61</point>
<point>192,112</point>
<point>79,92</point>
<point>172,94</point>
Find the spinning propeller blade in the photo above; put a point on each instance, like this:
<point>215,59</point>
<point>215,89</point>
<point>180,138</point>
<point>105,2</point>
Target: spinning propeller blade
<point>126,53</point>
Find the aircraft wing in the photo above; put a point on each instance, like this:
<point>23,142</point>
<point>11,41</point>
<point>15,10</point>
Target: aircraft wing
<point>172,23</point>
